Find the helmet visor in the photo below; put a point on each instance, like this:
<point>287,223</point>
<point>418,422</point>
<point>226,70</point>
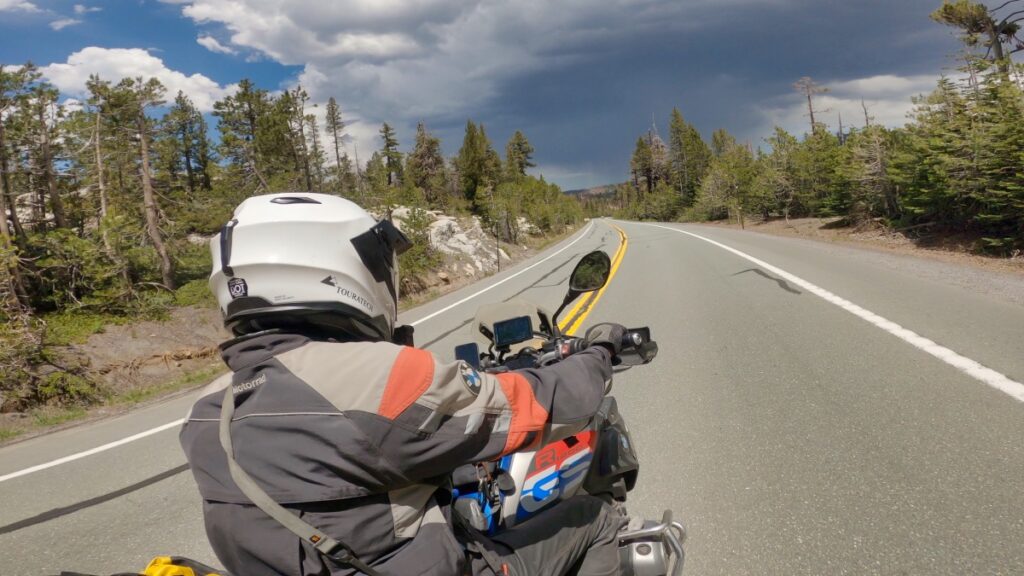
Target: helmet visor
<point>377,248</point>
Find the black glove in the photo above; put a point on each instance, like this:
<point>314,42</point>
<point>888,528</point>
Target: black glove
<point>403,335</point>
<point>608,335</point>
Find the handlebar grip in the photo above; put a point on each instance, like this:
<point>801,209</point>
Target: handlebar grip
<point>631,339</point>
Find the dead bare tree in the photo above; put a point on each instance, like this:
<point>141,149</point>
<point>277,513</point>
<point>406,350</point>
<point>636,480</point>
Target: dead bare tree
<point>809,88</point>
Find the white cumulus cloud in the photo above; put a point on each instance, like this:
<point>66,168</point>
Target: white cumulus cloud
<point>888,99</point>
<point>113,64</point>
<point>211,44</point>
<point>20,5</point>
<point>83,9</point>
<point>404,60</point>
<point>64,23</point>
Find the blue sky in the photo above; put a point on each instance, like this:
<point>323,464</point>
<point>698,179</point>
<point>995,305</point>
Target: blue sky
<point>581,78</point>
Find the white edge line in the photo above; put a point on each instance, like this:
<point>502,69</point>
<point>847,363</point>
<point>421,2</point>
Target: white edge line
<point>503,280</point>
<point>970,367</point>
<point>178,422</point>
<point>92,451</point>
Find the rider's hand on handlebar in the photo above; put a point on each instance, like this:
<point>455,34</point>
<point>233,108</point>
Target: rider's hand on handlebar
<point>607,334</point>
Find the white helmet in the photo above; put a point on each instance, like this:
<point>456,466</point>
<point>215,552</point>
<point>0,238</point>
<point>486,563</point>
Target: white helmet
<point>307,260</point>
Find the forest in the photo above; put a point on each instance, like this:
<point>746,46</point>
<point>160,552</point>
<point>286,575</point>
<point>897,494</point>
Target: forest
<point>956,168</point>
<point>107,203</point>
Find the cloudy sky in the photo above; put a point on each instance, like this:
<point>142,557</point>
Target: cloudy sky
<point>582,78</point>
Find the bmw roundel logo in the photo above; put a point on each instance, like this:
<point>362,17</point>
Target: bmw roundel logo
<point>471,377</point>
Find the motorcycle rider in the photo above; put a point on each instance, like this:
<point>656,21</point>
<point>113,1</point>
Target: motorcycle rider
<point>328,447</point>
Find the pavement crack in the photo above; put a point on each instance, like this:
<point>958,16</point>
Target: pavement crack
<point>782,283</point>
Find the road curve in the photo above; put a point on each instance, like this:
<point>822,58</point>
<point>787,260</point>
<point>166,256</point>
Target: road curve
<point>792,436</point>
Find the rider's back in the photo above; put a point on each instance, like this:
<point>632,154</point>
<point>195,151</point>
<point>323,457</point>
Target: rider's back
<point>357,438</point>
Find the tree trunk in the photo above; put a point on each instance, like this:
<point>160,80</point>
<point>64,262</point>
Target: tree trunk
<point>149,201</point>
<point>101,186</point>
<point>9,199</point>
<point>997,49</point>
<point>304,152</point>
<point>51,181</point>
<point>185,145</point>
<point>337,161</point>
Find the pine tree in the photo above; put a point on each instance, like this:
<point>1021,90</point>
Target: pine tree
<point>13,90</point>
<point>138,96</point>
<point>518,155</point>
<point>392,157</point>
<point>689,157</point>
<point>316,152</point>
<point>977,22</point>
<point>425,166</point>
<point>240,141</point>
<point>999,202</point>
<point>641,166</point>
<point>44,101</point>
<point>729,185</point>
<point>187,141</point>
<point>865,162</point>
<point>336,127</point>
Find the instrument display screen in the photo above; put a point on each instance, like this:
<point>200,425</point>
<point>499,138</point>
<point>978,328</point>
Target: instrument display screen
<point>513,331</point>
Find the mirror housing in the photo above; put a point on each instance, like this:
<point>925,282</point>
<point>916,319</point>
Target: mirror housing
<point>591,273</point>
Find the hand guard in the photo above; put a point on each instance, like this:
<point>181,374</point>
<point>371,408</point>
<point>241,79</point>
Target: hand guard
<point>607,334</point>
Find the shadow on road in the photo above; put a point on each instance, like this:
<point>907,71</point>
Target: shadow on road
<point>782,283</point>
<point>65,510</point>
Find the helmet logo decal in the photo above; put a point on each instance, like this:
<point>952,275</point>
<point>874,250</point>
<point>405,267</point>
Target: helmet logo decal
<point>238,288</point>
<point>471,378</point>
<point>329,281</point>
<point>359,300</point>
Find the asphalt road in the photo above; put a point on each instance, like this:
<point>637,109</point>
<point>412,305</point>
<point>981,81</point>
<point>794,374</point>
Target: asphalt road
<point>792,436</point>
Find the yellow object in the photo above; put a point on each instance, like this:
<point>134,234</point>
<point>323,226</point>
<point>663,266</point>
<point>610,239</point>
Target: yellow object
<point>167,566</point>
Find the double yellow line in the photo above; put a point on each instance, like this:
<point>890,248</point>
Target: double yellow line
<point>582,309</point>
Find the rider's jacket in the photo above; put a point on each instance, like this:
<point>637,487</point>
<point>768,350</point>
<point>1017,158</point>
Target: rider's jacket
<point>356,439</point>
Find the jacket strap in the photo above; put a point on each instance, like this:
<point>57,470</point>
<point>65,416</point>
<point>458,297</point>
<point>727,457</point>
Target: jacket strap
<point>323,543</point>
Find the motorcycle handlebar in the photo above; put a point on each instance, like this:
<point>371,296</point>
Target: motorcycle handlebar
<point>633,339</point>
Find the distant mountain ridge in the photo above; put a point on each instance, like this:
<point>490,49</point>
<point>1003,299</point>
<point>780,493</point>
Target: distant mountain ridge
<point>603,191</point>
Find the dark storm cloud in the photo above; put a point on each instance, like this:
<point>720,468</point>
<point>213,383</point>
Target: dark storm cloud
<point>583,78</point>
<point>585,116</point>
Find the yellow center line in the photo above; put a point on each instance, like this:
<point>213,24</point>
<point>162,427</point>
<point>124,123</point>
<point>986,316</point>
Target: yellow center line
<point>590,302</point>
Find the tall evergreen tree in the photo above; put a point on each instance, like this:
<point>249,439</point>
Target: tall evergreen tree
<point>336,128</point>
<point>689,157</point>
<point>392,157</point>
<point>983,26</point>
<point>425,166</point>
<point>479,166</point>
<point>642,165</point>
<point>44,103</point>
<point>139,95</point>
<point>518,155</point>
<point>185,132</point>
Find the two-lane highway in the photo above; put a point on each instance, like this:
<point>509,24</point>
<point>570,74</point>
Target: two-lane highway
<point>792,433</point>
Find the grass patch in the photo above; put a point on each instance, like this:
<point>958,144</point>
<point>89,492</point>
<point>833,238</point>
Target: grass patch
<point>195,293</point>
<point>55,416</point>
<point>47,417</point>
<point>414,300</point>
<point>189,380</point>
<point>75,327</point>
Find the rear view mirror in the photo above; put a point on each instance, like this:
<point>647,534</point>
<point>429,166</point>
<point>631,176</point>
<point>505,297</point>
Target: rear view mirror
<point>591,272</point>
